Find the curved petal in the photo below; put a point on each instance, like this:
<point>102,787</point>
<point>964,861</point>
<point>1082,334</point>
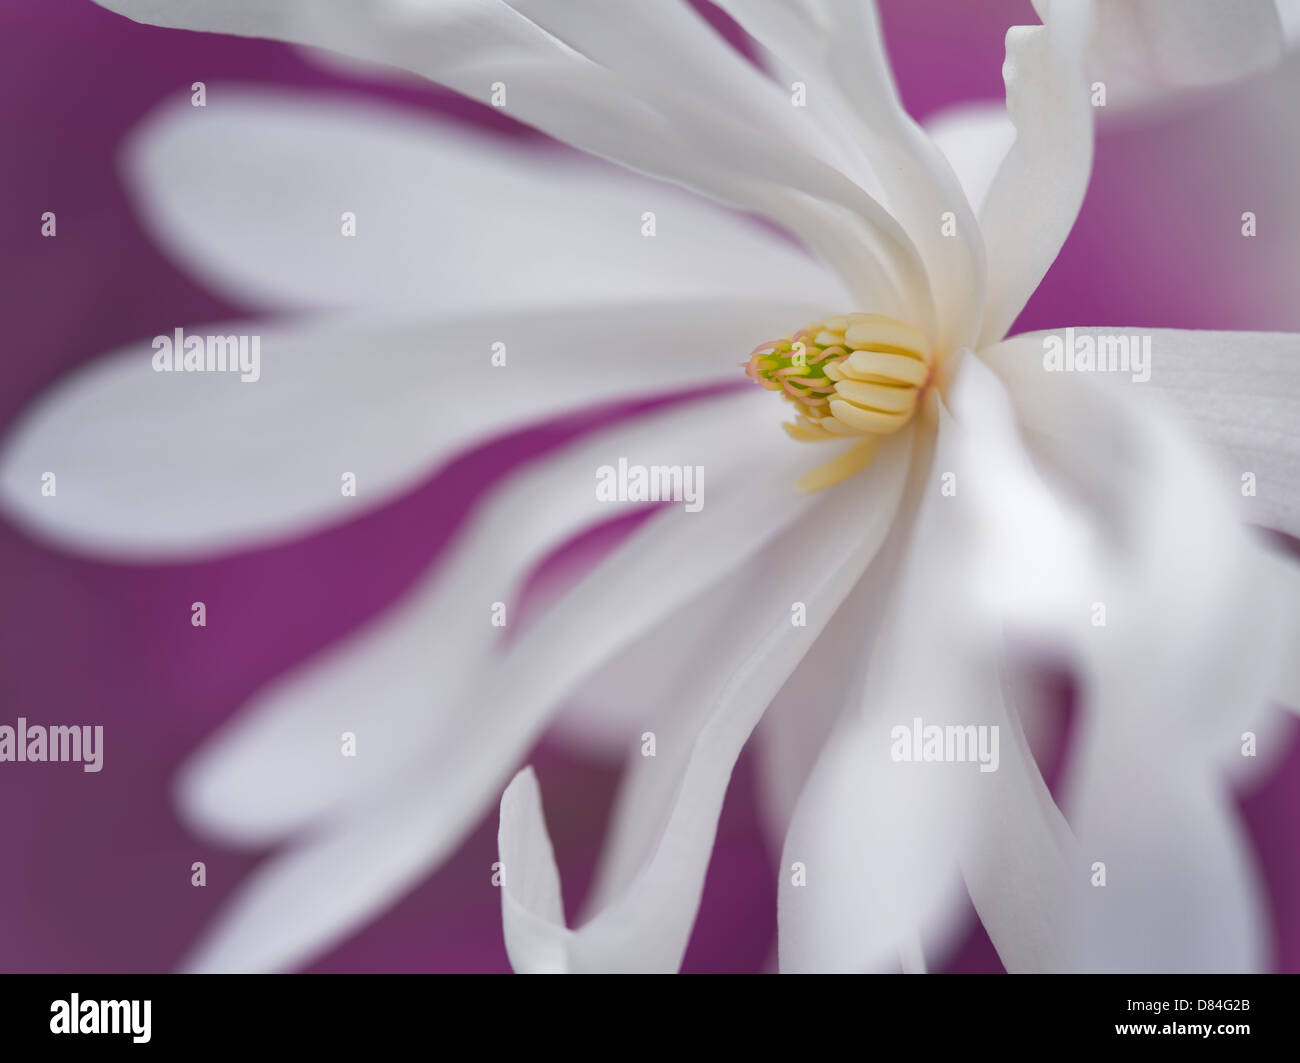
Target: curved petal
<point>152,464</point>
<point>1018,547</point>
<point>1185,648</point>
<point>670,803</point>
<point>1238,392</point>
<point>379,849</point>
<point>645,123</point>
<point>797,725</point>
<point>533,906</point>
<point>633,691</point>
<point>399,683</point>
<point>1038,190</point>
<point>250,197</point>
<point>1144,50</point>
<point>880,838</point>
<point>1183,892</point>
<point>1282,572</point>
<point>837,50</point>
<point>1289,14</point>
<point>657,688</point>
<point>1275,577</point>
<point>629,36</point>
<point>840,860</point>
<point>974,138</point>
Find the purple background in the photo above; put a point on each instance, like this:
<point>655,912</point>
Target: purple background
<point>96,871</point>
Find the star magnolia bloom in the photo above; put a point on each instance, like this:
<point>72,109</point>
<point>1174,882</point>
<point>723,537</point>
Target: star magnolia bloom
<point>955,493</point>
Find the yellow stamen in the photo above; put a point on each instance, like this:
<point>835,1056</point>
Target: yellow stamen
<point>853,375</point>
<point>852,461</point>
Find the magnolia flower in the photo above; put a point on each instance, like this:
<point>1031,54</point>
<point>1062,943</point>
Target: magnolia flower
<point>944,495</point>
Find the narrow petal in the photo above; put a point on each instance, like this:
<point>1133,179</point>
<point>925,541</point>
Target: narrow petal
<point>798,724</point>
<point>1038,190</point>
<point>162,464</point>
<point>1183,892</point>
<point>533,905</point>
<point>633,691</point>
<point>399,683</point>
<point>1024,570</point>
<point>1289,14</point>
<point>860,835</point>
<point>1176,586</point>
<point>657,688</point>
<point>670,803</point>
<point>628,36</point>
<point>838,51</point>
<point>251,197</point>
<point>974,138</point>
<point>878,838</point>
<point>1282,572</point>
<point>647,123</point>
<point>380,849</point>
<point>1145,51</point>
<point>1238,392</point>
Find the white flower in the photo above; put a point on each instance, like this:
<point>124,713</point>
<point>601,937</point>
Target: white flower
<point>1070,491</point>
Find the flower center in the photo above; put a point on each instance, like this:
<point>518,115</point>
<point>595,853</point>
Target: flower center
<point>855,375</point>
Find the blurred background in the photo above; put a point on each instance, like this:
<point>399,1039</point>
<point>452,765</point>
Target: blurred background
<point>96,875</point>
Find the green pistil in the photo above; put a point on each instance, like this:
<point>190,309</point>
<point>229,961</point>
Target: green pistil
<point>809,377</point>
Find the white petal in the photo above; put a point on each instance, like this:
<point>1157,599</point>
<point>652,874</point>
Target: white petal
<point>974,138</point>
<point>1038,189</point>
<point>674,702</point>
<point>1282,572</point>
<point>1025,571</point>
<point>880,839</point>
<point>250,196</point>
<point>856,843</point>
<point>178,464</point>
<point>648,125</point>
<point>1183,891</point>
<point>378,850</point>
<point>1189,650</point>
<point>634,39</point>
<point>798,723</point>
<point>668,810</point>
<point>1289,14</point>
<point>659,687</point>
<point>1145,50</point>
<point>1267,725</point>
<point>1238,392</point>
<point>633,691</point>
<point>1028,545</point>
<point>533,905</point>
<point>838,52</point>
<point>399,683</point>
